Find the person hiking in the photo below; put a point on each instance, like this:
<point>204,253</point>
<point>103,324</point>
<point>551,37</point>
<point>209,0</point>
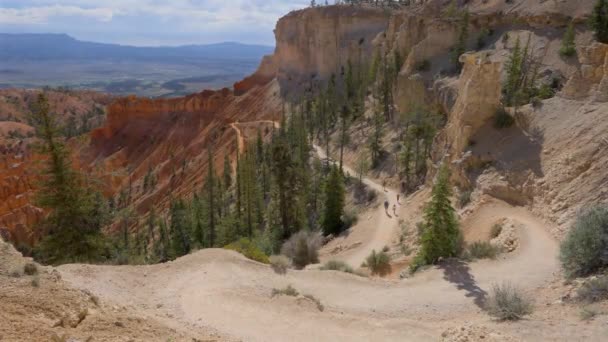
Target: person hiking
<point>385,205</point>
<point>384,185</point>
<point>395,209</point>
<point>398,199</point>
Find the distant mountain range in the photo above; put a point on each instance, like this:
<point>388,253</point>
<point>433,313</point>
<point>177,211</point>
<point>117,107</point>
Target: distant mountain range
<point>38,60</point>
<point>61,47</point>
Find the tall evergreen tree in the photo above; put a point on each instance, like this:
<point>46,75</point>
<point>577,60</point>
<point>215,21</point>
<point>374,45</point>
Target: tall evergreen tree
<point>461,45</point>
<point>227,172</point>
<point>180,229</point>
<point>514,71</point>
<point>334,203</point>
<point>568,48</point>
<point>210,187</point>
<point>441,237</point>
<point>599,21</point>
<point>72,230</point>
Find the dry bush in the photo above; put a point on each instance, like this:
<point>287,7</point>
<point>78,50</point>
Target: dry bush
<point>334,265</point>
<point>496,230</point>
<point>594,290</point>
<point>507,303</point>
<point>287,291</point>
<point>316,301</point>
<point>280,263</point>
<point>482,250</point>
<point>303,248</point>
<point>584,249</point>
<point>30,269</point>
<point>378,263</point>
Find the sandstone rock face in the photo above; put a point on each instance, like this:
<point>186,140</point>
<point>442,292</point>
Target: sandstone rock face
<point>592,77</point>
<point>17,182</point>
<point>317,42</point>
<point>170,138</point>
<point>479,94</point>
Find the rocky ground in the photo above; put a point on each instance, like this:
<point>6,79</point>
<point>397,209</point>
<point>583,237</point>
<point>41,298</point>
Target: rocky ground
<point>41,306</point>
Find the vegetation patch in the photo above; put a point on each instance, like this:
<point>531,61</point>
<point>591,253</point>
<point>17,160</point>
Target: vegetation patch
<point>303,248</point>
<point>583,251</point>
<point>249,250</point>
<point>482,250</point>
<point>594,290</point>
<point>502,119</point>
<point>507,303</point>
<point>287,291</point>
<point>30,269</point>
<point>335,265</point>
<point>378,263</point>
<point>280,263</point>
<point>315,300</point>
<point>464,198</point>
<point>496,230</point>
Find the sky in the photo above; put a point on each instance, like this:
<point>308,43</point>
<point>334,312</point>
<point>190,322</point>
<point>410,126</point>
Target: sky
<point>149,22</point>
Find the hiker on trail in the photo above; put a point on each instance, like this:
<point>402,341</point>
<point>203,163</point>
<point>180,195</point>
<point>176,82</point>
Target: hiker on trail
<point>384,185</point>
<point>395,209</point>
<point>398,199</point>
<point>385,205</point>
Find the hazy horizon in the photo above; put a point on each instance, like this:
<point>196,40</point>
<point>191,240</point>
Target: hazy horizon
<point>149,22</point>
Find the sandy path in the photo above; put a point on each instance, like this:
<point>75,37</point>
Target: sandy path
<point>373,233</point>
<point>222,291</point>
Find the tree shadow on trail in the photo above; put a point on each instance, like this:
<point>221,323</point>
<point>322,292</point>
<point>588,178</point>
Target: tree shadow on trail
<point>458,273</point>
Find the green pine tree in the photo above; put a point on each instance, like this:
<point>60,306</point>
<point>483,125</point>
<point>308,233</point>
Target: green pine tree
<point>568,48</point>
<point>461,45</point>
<point>72,230</point>
<point>599,21</point>
<point>514,71</point>
<point>441,237</point>
<point>180,229</point>
<point>334,203</point>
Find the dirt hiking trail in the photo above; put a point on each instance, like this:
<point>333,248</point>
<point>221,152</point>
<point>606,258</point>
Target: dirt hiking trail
<point>222,291</point>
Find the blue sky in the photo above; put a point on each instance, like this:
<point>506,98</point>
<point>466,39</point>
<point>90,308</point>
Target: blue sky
<point>149,22</point>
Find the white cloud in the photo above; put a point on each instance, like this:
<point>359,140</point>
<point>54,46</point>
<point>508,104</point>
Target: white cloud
<point>130,20</point>
<point>37,15</point>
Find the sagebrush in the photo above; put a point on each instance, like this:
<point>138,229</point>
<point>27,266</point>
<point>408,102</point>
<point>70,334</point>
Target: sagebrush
<point>585,248</point>
<point>507,303</point>
<point>303,248</point>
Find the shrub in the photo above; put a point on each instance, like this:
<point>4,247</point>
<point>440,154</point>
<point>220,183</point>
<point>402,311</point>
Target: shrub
<point>587,313</point>
<point>16,273</point>
<point>303,248</point>
<point>483,250</point>
<point>280,263</point>
<point>502,119</point>
<point>568,48</point>
<point>495,231</point>
<point>545,92</point>
<point>422,66</point>
<point>335,265</point>
<point>378,263</point>
<point>349,219</point>
<point>287,291</point>
<point>316,301</point>
<point>464,198</point>
<point>507,303</point>
<point>35,281</point>
<point>584,250</point>
<point>594,290</point>
<point>536,102</point>
<point>249,250</point>
<point>30,269</point>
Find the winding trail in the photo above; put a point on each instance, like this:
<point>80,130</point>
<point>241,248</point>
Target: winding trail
<point>377,231</point>
<point>222,291</point>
